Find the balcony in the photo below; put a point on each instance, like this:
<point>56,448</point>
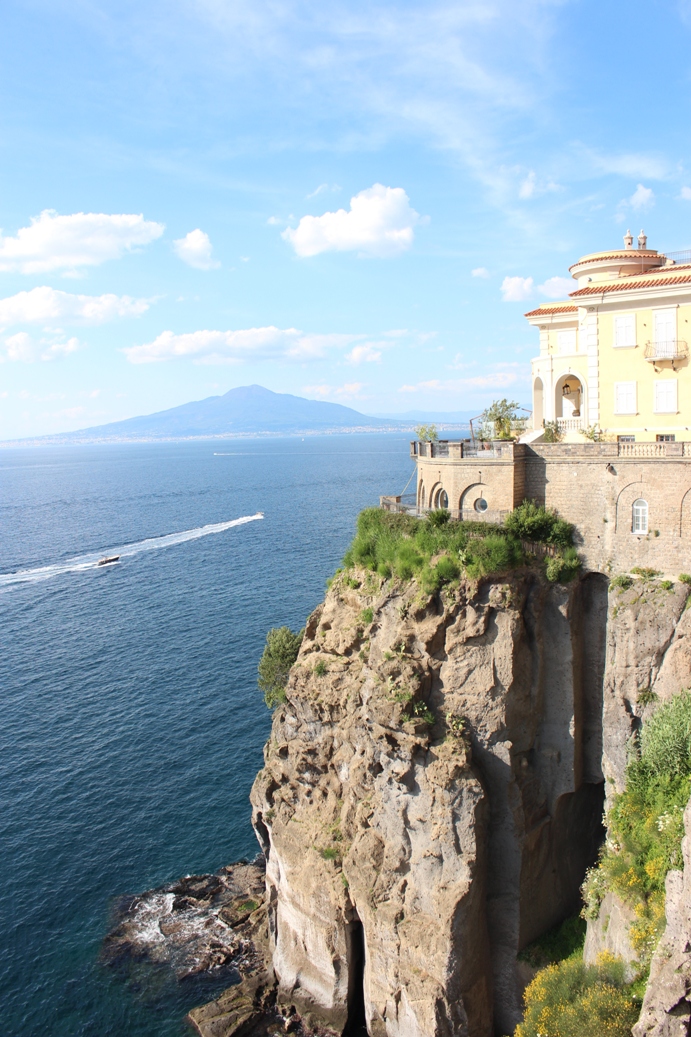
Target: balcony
<point>658,352</point>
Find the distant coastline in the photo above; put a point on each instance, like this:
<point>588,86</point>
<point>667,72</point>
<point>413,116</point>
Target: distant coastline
<point>77,439</point>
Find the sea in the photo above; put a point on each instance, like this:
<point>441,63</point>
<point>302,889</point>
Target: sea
<point>131,726</point>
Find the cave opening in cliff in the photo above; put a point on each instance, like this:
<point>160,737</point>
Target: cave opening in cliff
<point>356,1024</point>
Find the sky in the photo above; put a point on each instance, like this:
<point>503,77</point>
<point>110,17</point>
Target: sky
<point>349,201</point>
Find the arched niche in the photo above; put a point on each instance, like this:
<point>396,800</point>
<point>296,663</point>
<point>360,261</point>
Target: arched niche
<point>569,397</point>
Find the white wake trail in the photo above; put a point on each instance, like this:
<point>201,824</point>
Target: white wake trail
<point>88,562</point>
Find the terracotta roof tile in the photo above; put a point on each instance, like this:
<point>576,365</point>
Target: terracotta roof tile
<point>547,309</point>
<point>618,286</point>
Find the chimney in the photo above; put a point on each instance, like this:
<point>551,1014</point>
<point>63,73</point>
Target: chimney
<point>628,240</point>
<point>642,240</point>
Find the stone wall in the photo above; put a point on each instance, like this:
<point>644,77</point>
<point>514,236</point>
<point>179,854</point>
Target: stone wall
<point>592,485</point>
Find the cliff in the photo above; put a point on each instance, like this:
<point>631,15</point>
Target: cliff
<point>433,793</point>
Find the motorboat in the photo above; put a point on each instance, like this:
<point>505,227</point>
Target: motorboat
<point>109,561</point>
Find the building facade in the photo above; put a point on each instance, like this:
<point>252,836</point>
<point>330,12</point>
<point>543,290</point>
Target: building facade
<point>614,357</point>
<point>613,362</point>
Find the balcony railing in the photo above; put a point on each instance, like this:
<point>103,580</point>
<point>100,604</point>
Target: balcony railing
<point>457,450</point>
<point>674,349</point>
<point>571,424</point>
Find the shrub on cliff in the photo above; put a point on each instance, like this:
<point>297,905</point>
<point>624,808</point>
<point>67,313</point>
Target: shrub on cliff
<point>572,999</point>
<point>280,652</point>
<point>433,550</point>
<point>646,824</point>
<point>531,521</point>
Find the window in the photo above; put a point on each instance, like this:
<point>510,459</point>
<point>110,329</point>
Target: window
<point>665,329</point>
<point>626,439</point>
<point>625,331</point>
<point>665,439</point>
<point>624,397</point>
<point>666,396</point>
<point>480,504</point>
<point>566,341</point>
<point>639,516</point>
<point>442,499</point>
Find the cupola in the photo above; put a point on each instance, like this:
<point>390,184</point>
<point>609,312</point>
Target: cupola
<point>615,263</point>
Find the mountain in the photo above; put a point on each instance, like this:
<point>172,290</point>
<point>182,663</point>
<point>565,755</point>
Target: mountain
<point>249,409</point>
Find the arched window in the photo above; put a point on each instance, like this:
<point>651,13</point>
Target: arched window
<point>639,516</point>
<point>480,505</point>
<point>442,499</point>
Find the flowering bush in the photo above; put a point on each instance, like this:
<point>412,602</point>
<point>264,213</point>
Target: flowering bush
<point>572,999</point>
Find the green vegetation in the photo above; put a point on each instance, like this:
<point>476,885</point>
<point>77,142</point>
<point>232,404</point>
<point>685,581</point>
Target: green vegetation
<point>280,652</point>
<point>367,615</point>
<point>321,669</point>
<point>623,582</point>
<point>646,824</point>
<point>562,941</point>
<point>562,568</point>
<point>531,521</point>
<point>552,432</point>
<point>571,999</point>
<point>684,578</point>
<point>436,551</point>
<point>427,433</point>
<point>593,433</point>
<point>330,853</point>
<point>645,573</point>
<point>501,421</point>
<point>248,905</point>
<point>666,585</point>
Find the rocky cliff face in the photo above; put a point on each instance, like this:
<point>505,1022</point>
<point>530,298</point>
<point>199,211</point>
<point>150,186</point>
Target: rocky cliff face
<point>433,792</point>
<point>431,797</point>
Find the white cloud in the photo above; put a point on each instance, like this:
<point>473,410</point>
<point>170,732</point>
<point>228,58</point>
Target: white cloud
<point>364,353</point>
<point>22,348</point>
<point>380,222</point>
<point>350,389</point>
<point>557,287</point>
<point>516,289</point>
<point>479,271</point>
<point>527,188</point>
<point>686,194</point>
<point>44,304</point>
<point>195,249</point>
<point>649,167</point>
<point>210,347</point>
<point>642,198</point>
<point>54,242</point>
<point>322,188</point>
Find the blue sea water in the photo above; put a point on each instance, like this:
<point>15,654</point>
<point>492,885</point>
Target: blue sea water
<point>131,726</point>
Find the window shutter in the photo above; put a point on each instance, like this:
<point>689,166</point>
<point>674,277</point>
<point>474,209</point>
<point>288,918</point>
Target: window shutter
<point>566,340</point>
<point>624,397</point>
<point>666,396</point>
<point>625,330</point>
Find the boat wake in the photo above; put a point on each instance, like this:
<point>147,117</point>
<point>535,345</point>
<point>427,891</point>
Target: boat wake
<point>88,562</point>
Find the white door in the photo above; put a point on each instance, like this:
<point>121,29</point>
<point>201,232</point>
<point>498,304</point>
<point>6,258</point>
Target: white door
<point>665,327</point>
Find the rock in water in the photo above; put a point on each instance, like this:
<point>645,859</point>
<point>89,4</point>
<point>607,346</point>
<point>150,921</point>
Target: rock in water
<point>201,923</point>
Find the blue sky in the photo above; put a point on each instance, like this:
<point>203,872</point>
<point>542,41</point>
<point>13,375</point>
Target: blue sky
<point>349,201</point>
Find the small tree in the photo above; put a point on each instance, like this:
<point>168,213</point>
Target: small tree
<point>500,420</point>
<point>427,433</point>
<point>280,652</point>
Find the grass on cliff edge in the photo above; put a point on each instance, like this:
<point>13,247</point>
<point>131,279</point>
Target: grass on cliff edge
<point>436,551</point>
<point>646,824</point>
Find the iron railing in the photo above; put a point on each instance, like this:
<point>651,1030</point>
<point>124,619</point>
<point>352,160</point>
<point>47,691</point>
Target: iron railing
<point>675,349</point>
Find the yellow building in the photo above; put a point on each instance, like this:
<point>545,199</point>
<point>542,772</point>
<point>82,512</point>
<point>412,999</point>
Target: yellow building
<point>615,356</point>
